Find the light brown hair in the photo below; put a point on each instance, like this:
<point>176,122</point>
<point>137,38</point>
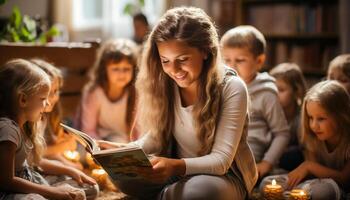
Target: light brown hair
<point>156,110</point>
<point>54,118</point>
<point>114,51</point>
<point>17,77</point>
<point>293,76</point>
<point>334,99</point>
<point>245,37</point>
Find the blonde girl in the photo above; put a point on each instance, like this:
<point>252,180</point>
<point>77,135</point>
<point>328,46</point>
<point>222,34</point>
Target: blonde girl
<point>56,140</point>
<point>291,91</point>
<point>193,111</point>
<point>24,89</point>
<point>108,102</point>
<point>325,131</point>
<point>339,70</point>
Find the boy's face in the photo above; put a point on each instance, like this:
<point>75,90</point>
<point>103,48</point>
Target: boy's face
<point>244,61</point>
<point>335,73</point>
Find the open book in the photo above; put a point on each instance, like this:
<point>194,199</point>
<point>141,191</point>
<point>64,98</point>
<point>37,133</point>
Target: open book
<point>119,163</point>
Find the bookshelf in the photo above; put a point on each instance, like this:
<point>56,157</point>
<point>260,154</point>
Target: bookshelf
<point>302,31</point>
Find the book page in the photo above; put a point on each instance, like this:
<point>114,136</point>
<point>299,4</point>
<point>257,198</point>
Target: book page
<point>83,138</point>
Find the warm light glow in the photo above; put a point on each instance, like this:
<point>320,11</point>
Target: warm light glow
<point>274,182</point>
<point>99,171</point>
<point>302,193</point>
<point>72,155</point>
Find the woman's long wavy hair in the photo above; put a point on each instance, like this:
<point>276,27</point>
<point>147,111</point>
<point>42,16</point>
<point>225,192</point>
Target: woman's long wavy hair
<point>17,77</point>
<point>53,128</point>
<point>156,110</point>
<point>114,51</point>
<point>334,99</point>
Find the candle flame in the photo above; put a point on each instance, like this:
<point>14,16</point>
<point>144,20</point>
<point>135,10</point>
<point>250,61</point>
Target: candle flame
<point>274,182</point>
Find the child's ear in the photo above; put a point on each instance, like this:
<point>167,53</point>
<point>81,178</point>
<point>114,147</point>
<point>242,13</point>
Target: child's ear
<point>261,60</point>
<point>22,100</point>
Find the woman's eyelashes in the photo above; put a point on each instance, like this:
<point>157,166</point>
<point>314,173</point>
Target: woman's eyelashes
<point>178,60</point>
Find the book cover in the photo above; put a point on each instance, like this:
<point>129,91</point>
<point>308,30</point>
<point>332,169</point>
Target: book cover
<point>119,163</point>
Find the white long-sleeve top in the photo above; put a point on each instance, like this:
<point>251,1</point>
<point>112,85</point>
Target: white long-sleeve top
<point>227,136</point>
<point>230,136</point>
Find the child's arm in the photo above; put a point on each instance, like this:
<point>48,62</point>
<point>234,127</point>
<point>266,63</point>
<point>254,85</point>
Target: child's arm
<point>274,116</point>
<point>57,168</point>
<point>89,114</point>
<point>67,142</point>
<point>9,182</point>
<point>313,168</point>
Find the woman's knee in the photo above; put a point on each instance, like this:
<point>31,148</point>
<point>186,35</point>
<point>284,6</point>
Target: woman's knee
<point>204,187</point>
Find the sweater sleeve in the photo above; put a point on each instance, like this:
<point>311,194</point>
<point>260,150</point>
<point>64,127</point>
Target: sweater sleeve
<point>89,113</point>
<point>228,132</point>
<point>274,116</point>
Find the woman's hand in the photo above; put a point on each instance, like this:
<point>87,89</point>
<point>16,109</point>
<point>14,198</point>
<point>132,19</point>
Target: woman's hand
<point>263,168</point>
<point>109,145</point>
<point>163,169</point>
<point>297,175</point>
<point>81,177</point>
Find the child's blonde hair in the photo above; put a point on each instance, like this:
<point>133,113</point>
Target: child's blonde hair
<point>336,102</point>
<point>293,76</point>
<point>245,37</point>
<point>156,110</point>
<point>342,62</point>
<point>54,118</point>
<point>22,77</point>
<point>114,51</point>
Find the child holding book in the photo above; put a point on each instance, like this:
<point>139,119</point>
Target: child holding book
<point>194,113</point>
<point>291,90</point>
<point>325,129</point>
<point>24,89</point>
<point>57,142</point>
<point>108,100</point>
<point>339,70</point>
<point>243,48</point>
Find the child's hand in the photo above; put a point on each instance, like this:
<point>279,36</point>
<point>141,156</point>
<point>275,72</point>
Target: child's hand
<point>81,177</point>
<point>263,168</point>
<point>297,175</point>
<point>109,145</point>
<point>63,192</point>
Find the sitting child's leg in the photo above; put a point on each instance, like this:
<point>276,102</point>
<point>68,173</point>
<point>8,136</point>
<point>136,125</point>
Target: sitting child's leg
<point>320,189</point>
<point>91,191</point>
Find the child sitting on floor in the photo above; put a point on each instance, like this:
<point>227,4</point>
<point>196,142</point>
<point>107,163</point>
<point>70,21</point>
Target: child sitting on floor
<point>243,49</point>
<point>291,90</point>
<point>325,131</point>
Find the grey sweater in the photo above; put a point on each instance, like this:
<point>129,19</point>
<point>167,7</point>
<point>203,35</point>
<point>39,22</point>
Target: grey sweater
<point>268,131</point>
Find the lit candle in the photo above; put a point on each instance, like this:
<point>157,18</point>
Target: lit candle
<point>73,156</point>
<point>273,191</point>
<point>90,161</point>
<point>298,194</point>
<point>100,176</point>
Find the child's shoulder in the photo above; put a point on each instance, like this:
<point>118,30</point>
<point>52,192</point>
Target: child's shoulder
<point>233,83</point>
<point>263,83</point>
<point>9,130</point>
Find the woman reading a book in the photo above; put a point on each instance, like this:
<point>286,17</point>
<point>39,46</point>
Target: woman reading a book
<point>193,111</point>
